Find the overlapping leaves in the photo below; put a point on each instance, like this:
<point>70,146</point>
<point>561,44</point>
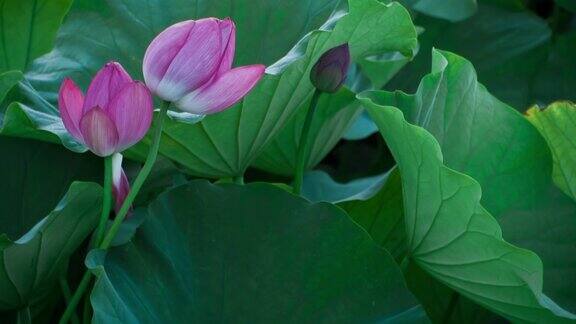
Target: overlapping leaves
<point>39,230</point>
<point>472,128</point>
<point>516,53</point>
<point>452,237</point>
<point>557,123</point>
<point>488,140</point>
<point>205,248</point>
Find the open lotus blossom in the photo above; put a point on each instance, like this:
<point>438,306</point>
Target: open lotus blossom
<point>115,114</point>
<point>120,184</point>
<point>189,63</point>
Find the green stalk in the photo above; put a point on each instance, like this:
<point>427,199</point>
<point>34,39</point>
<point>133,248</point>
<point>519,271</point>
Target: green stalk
<point>23,316</point>
<point>67,295</point>
<point>140,179</point>
<point>451,307</point>
<point>71,308</point>
<point>109,237</point>
<point>107,200</point>
<point>303,145</point>
<point>87,310</point>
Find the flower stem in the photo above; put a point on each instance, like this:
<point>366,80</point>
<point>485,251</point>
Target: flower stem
<point>71,308</point>
<point>67,296</point>
<point>107,200</point>
<point>303,145</point>
<point>109,237</point>
<point>140,179</point>
<point>23,316</point>
<point>451,307</point>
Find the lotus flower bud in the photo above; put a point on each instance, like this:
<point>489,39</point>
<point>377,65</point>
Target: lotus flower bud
<point>189,63</point>
<point>329,72</point>
<point>120,184</point>
<point>116,113</point>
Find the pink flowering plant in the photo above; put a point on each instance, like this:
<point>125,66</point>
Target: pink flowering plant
<point>192,161</point>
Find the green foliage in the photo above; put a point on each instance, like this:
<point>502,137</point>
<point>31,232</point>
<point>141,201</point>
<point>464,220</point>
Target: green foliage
<point>515,52</point>
<point>28,30</point>
<point>465,212</point>
<point>32,264</point>
<point>39,230</point>
<point>495,145</point>
<point>557,124</point>
<point>198,259</point>
<point>448,247</point>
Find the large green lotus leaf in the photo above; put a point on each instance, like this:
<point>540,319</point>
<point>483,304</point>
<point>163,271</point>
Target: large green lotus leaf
<point>28,30</point>
<point>375,203</point>
<point>491,142</point>
<point>443,304</point>
<point>452,237</point>
<point>382,215</point>
<point>514,51</point>
<point>557,123</point>
<point>248,254</point>
<point>30,266</point>
<point>479,135</point>
<point>225,144</point>
<point>35,176</point>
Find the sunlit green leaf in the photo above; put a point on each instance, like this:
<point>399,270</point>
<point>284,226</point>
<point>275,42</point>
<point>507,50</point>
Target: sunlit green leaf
<point>557,123</point>
<point>488,140</point>
<point>452,237</point>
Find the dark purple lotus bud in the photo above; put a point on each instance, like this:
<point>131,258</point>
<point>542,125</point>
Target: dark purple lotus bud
<point>329,72</point>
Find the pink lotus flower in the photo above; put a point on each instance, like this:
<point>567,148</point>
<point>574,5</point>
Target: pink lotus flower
<point>189,63</point>
<point>115,114</point>
<point>120,184</point>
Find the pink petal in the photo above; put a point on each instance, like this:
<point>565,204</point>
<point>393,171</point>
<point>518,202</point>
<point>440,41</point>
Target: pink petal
<point>120,184</point>
<point>196,62</point>
<point>228,31</point>
<point>223,92</point>
<point>99,132</point>
<point>131,112</point>
<point>162,51</point>
<point>105,85</point>
<point>70,101</point>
